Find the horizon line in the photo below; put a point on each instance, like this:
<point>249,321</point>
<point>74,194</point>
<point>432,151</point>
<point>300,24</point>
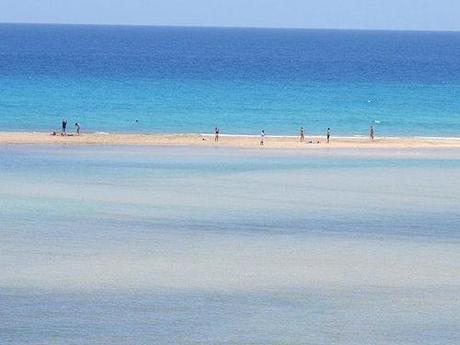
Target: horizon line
<point>230,27</point>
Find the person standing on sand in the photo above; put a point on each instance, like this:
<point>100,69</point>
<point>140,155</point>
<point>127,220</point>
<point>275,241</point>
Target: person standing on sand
<point>77,126</point>
<point>328,135</point>
<point>216,134</point>
<point>372,133</point>
<point>64,126</point>
<point>262,137</point>
<point>302,135</point>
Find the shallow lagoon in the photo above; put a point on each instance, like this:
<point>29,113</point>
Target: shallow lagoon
<point>128,245</point>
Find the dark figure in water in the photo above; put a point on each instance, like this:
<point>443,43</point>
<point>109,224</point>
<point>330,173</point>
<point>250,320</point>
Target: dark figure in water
<point>372,133</point>
<point>77,126</point>
<point>216,134</point>
<point>328,135</point>
<point>262,137</point>
<point>302,135</point>
<point>64,126</point>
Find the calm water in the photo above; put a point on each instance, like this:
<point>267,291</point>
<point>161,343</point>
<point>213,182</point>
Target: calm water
<point>191,79</point>
<point>120,245</point>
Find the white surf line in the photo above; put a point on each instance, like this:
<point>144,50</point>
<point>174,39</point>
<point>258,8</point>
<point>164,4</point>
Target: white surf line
<point>333,137</point>
<point>230,135</point>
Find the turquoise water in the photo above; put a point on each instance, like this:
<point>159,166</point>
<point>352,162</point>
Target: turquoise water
<point>191,79</point>
<point>129,245</point>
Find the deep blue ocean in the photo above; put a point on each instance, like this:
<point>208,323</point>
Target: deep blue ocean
<point>173,79</point>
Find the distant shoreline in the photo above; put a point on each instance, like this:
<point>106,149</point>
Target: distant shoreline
<point>229,140</point>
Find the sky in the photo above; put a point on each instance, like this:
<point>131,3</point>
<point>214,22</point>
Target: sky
<point>338,14</point>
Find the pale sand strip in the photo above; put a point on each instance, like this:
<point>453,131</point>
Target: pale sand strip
<point>239,141</point>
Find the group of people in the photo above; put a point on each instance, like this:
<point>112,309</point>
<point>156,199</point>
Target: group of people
<point>302,135</point>
<point>64,128</point>
<point>328,134</point>
<point>217,132</point>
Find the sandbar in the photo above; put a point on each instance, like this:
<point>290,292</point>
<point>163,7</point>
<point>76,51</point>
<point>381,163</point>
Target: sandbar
<point>237,141</point>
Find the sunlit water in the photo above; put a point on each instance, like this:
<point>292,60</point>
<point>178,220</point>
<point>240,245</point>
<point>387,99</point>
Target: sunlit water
<point>192,79</point>
<point>138,245</point>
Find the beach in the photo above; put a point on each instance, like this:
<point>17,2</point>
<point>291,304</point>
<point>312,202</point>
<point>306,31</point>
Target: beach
<point>145,229</point>
<point>235,141</point>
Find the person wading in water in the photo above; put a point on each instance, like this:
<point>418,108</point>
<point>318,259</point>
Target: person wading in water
<point>64,126</point>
